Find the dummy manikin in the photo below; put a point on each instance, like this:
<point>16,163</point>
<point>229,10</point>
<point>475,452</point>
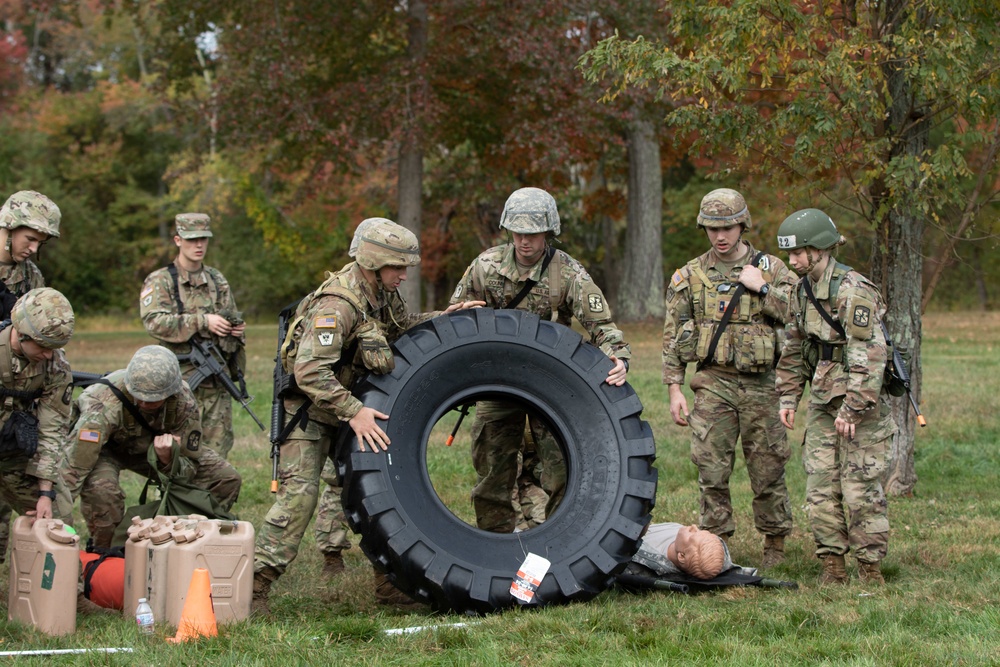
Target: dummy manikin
<point>670,548</point>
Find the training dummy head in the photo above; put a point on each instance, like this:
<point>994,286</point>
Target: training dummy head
<point>698,552</point>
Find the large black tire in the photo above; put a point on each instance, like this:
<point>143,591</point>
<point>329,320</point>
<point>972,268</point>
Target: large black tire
<point>437,558</point>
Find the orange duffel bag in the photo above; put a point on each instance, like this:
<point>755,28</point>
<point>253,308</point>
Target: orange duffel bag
<point>103,572</point>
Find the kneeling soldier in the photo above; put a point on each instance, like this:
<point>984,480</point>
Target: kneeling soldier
<point>36,393</point>
<point>146,404</point>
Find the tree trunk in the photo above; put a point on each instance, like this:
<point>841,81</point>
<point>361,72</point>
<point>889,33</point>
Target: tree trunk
<point>410,185</point>
<point>640,294</point>
<point>411,155</point>
<point>897,264</point>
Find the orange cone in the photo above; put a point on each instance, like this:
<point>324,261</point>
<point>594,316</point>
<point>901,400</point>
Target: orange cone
<point>198,615</point>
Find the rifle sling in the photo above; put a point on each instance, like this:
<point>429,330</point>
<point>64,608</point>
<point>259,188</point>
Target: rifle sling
<point>172,270</point>
<point>834,324</point>
<point>519,297</point>
<point>129,405</point>
<point>726,316</point>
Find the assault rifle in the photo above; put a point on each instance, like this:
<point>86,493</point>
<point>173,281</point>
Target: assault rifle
<point>899,376</point>
<point>84,379</point>
<point>282,383</point>
<point>208,362</point>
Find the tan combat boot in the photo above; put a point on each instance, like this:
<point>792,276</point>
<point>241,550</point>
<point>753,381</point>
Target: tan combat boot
<point>834,571</point>
<point>387,594</point>
<point>333,564</point>
<point>774,551</point>
<point>870,573</point>
<point>86,606</point>
<point>261,590</point>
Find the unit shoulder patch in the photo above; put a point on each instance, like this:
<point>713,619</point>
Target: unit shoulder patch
<point>859,325</point>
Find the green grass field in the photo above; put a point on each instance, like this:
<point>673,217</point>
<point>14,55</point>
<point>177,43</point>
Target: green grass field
<point>938,607</point>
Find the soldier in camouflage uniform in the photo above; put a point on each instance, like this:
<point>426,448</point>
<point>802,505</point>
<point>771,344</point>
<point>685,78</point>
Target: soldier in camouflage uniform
<point>842,352</point>
<point>331,525</point>
<point>27,220</point>
<point>108,438</point>
<point>36,393</point>
<point>186,299</point>
<point>734,383</point>
<point>340,332</point>
<point>561,287</point>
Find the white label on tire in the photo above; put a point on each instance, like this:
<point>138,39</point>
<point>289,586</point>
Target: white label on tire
<point>529,576</point>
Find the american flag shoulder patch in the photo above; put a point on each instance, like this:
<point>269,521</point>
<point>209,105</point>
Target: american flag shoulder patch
<point>146,292</point>
<point>325,322</point>
<point>90,435</point>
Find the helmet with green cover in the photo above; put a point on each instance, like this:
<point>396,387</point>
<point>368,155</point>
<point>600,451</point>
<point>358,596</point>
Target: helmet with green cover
<point>385,243</point>
<point>724,207</point>
<point>808,228</point>
<point>530,211</point>
<point>45,316</point>
<point>28,208</point>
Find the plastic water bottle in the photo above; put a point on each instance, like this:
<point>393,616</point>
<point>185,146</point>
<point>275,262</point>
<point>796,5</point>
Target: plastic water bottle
<point>144,617</point>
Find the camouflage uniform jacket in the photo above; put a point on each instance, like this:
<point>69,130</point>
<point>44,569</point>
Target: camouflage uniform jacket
<point>565,289</point>
<point>21,277</point>
<point>697,297</point>
<point>52,408</point>
<point>857,365</point>
<point>202,292</point>
<point>327,324</point>
<point>104,423</point>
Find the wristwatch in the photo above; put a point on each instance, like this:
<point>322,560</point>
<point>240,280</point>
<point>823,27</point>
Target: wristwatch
<point>764,289</point>
<point>625,361</point>
<point>48,494</point>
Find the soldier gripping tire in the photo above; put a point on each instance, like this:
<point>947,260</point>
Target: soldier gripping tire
<point>451,360</point>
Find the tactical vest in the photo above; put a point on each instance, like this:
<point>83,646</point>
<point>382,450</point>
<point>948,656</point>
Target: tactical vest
<point>813,349</point>
<point>213,278</point>
<point>748,342</point>
<point>554,271</point>
<point>131,428</point>
<point>335,285</point>
<point>15,399</point>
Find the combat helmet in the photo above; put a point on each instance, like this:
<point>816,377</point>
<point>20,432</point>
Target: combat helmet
<point>385,243</point>
<point>153,374</point>
<point>28,208</point>
<point>530,211</point>
<point>45,316</point>
<point>723,208</point>
<point>810,228</point>
<point>359,232</point>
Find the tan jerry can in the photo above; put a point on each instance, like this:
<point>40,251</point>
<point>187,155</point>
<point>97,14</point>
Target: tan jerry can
<point>224,548</point>
<point>146,552</point>
<point>44,571</point>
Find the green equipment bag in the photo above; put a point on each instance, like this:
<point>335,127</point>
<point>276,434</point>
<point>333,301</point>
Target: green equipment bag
<point>178,497</point>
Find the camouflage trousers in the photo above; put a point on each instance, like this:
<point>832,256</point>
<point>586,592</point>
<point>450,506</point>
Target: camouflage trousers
<point>102,500</point>
<point>497,440</point>
<point>846,473</point>
<point>18,489</point>
<point>730,407</point>
<point>528,497</point>
<point>216,407</point>
<point>331,526</point>
<point>303,456</point>
<point>5,512</point>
